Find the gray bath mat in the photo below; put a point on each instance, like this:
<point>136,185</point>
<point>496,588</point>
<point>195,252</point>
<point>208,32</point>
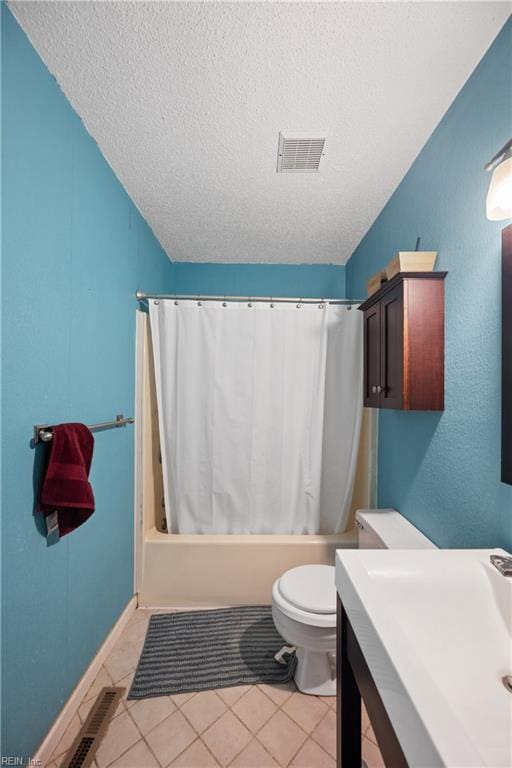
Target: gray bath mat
<point>201,650</point>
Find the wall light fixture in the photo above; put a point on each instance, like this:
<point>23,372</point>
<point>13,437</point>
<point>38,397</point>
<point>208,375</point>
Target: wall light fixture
<point>499,195</point>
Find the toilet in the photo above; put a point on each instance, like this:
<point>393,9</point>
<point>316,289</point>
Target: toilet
<point>304,600</point>
<point>304,612</point>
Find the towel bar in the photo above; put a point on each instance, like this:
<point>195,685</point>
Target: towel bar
<point>43,432</point>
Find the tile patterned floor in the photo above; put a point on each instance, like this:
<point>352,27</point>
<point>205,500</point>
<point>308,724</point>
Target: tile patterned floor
<point>263,726</point>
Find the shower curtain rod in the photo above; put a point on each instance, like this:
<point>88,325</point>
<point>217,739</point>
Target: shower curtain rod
<point>141,296</point>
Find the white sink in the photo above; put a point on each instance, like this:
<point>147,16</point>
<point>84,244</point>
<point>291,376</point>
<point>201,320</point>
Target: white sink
<point>435,627</point>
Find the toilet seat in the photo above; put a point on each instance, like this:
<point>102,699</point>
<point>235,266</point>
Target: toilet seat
<point>310,588</point>
<point>308,595</point>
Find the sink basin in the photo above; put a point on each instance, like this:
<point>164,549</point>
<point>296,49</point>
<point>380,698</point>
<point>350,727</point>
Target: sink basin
<point>435,627</point>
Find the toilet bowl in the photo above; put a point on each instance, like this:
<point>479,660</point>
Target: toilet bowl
<point>304,612</point>
<point>304,600</point>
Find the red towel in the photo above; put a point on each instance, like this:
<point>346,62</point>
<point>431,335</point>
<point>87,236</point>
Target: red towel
<point>66,489</point>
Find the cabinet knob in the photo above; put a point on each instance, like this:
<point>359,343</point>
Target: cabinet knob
<point>380,389</point>
<point>374,389</point>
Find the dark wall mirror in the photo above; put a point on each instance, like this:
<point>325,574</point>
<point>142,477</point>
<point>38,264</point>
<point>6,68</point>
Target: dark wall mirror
<point>506,376</point>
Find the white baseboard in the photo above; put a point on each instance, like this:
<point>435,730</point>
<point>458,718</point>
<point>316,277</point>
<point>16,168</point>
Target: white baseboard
<point>70,708</point>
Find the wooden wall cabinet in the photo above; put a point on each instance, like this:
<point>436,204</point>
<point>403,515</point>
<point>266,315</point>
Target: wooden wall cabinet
<point>404,343</point>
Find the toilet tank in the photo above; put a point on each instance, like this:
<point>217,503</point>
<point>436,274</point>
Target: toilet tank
<point>388,529</point>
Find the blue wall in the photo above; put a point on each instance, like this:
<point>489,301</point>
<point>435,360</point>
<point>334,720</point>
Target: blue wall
<point>306,280</point>
<point>443,471</point>
<point>74,250</point>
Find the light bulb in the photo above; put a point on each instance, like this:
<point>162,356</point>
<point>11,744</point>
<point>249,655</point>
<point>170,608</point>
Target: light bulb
<point>499,196</point>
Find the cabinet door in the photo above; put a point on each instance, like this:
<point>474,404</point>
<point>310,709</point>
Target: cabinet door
<point>372,356</point>
<point>391,349</point>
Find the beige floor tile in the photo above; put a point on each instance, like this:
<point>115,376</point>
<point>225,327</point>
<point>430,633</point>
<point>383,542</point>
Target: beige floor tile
<point>279,692</point>
<point>371,754</point>
<point>139,756</point>
<point>254,709</point>
<point>101,680</point>
<point>282,737</point>
<point>226,738</point>
<point>126,683</point>
<point>147,713</point>
<point>180,698</point>
<point>230,695</point>
<point>254,755</point>
<point>170,737</point>
<point>195,756</point>
<point>67,738</point>
<point>307,711</point>
<point>57,763</point>
<point>329,700</point>
<point>325,733</point>
<point>84,709</point>
<point>145,613</point>
<point>120,736</point>
<point>365,720</point>
<point>312,756</point>
<point>203,709</point>
<point>156,611</point>
<point>139,615</point>
<point>123,659</point>
<point>134,633</point>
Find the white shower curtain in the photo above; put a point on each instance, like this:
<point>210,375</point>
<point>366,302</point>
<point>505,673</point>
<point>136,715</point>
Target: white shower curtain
<point>260,413</point>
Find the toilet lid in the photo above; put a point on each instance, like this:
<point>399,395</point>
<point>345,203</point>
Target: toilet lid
<point>310,588</point>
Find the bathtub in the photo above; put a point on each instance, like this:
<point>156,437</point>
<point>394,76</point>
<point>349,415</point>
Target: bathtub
<point>185,571</point>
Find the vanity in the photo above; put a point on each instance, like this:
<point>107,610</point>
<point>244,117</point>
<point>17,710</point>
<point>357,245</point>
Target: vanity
<point>425,639</point>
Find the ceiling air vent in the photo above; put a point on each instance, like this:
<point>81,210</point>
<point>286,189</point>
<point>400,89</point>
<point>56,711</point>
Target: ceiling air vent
<point>299,152</point>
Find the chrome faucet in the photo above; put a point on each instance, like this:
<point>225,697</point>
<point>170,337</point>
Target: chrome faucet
<point>503,564</point>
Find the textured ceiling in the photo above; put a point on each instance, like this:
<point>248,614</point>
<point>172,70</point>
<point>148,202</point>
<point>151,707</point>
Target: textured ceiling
<point>186,101</point>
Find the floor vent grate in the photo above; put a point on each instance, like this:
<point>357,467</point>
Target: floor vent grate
<point>82,750</point>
